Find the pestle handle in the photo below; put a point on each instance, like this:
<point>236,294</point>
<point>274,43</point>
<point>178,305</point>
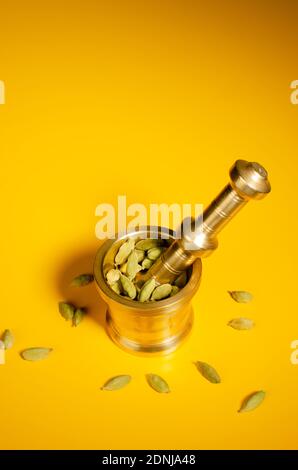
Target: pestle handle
<point>248,180</point>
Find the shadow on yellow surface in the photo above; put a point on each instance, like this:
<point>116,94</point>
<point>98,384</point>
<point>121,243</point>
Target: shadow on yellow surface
<point>87,296</point>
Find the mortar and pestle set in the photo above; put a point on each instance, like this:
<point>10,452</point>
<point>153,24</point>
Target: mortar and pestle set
<point>160,327</point>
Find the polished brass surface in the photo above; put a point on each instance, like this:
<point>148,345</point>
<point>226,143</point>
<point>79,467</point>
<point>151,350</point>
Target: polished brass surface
<point>153,327</point>
<point>248,180</point>
<point>160,327</point>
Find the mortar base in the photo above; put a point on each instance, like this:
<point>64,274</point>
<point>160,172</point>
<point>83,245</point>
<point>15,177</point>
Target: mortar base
<point>167,346</point>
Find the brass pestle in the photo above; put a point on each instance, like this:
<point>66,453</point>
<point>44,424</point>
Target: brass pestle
<point>248,180</point>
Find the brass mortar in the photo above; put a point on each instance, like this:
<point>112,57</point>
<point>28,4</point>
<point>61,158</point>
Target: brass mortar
<point>153,327</point>
<point>159,327</point>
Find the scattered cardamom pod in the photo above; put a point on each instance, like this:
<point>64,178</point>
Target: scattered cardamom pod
<point>113,276</point>
<point>154,253</point>
<point>7,339</point>
<point>133,266</point>
<point>161,292</point>
<point>148,243</point>
<point>117,382</point>
<point>208,372</point>
<point>241,323</point>
<point>82,280</point>
<point>147,263</point>
<point>116,287</point>
<point>241,296</point>
<point>78,316</point>
<point>124,251</point>
<point>157,383</point>
<point>181,280</point>
<point>2,345</point>
<point>252,401</point>
<point>67,310</point>
<point>35,354</point>
<point>140,255</point>
<point>146,290</point>
<point>128,286</point>
<point>175,290</point>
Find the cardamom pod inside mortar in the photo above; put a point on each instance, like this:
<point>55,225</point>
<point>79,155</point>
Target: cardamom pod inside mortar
<point>135,257</point>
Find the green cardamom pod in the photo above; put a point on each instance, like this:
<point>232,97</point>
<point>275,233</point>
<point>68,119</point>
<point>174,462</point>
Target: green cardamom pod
<point>147,290</point>
<point>175,290</point>
<point>140,255</point>
<point>116,287</point>
<point>157,383</point>
<point>138,289</point>
<point>241,323</point>
<point>181,280</point>
<point>161,292</point>
<point>67,310</point>
<point>78,316</point>
<point>117,382</point>
<point>113,276</point>
<point>252,401</point>
<point>124,251</point>
<point>154,253</point>
<point>123,268</point>
<point>7,339</point>
<point>82,280</point>
<point>148,243</point>
<point>132,265</point>
<point>35,354</point>
<point>241,296</point>
<point>147,263</point>
<point>208,372</point>
<point>128,287</point>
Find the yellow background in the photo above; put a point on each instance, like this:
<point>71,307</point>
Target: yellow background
<point>154,100</point>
